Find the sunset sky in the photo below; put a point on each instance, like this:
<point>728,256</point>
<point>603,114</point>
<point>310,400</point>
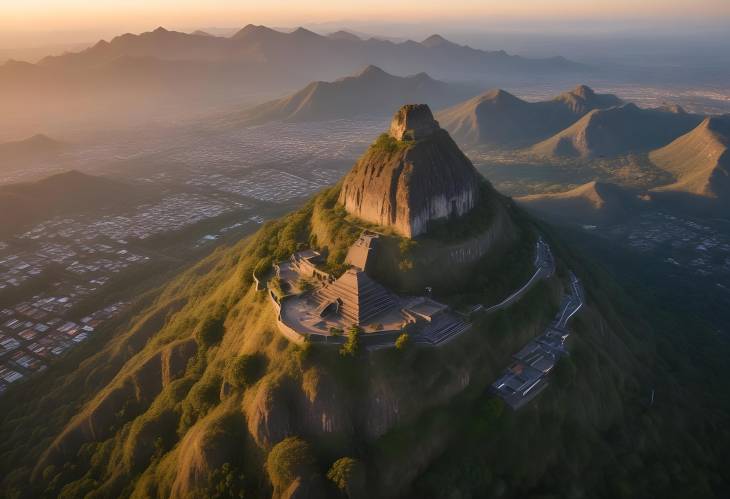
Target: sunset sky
<point>41,15</point>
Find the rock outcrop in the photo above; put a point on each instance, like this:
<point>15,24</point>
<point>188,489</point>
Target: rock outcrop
<point>411,176</point>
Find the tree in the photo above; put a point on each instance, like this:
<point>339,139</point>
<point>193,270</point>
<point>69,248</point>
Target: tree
<point>225,482</point>
<point>288,460</point>
<point>349,475</point>
<point>244,370</point>
<point>210,331</point>
<point>352,345</point>
<point>402,341</point>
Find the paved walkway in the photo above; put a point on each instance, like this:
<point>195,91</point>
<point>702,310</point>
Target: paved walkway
<point>522,381</point>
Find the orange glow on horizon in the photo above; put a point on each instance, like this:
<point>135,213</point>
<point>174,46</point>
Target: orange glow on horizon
<point>38,15</point>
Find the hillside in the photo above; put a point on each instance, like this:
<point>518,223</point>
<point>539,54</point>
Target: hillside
<point>498,118</point>
<point>70,192</point>
<point>699,160</point>
<point>33,149</point>
<point>617,131</point>
<point>371,92</point>
<point>591,203</point>
<point>201,396</point>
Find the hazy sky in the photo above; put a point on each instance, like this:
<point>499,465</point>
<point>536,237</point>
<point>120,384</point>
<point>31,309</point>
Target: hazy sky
<point>138,15</point>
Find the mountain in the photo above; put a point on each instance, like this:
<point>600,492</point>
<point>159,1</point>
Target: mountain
<point>302,48</point>
<point>23,204</point>
<point>498,118</point>
<point>344,35</point>
<point>592,203</point>
<point>411,176</point>
<point>202,391</point>
<point>699,160</point>
<point>36,148</point>
<point>182,75</point>
<point>370,92</point>
<point>618,130</point>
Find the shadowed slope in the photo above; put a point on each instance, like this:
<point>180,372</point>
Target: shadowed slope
<point>591,203</point>
<point>616,131</point>
<point>501,119</point>
<point>370,92</point>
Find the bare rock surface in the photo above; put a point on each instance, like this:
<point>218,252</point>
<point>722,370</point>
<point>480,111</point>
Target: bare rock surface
<point>405,184</point>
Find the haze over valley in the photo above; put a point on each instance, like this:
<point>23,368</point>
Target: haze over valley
<point>475,250</point>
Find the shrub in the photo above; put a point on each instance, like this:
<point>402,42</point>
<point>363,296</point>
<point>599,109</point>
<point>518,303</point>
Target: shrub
<point>352,345</point>
<point>349,476</point>
<point>203,396</point>
<point>225,482</point>
<point>305,285</point>
<point>244,370</point>
<point>288,460</point>
<point>209,331</point>
<point>276,287</point>
<point>402,341</point>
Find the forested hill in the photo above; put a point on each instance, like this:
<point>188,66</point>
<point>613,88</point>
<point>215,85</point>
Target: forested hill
<point>198,395</point>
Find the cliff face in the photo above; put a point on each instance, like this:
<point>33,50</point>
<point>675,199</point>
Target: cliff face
<point>412,176</point>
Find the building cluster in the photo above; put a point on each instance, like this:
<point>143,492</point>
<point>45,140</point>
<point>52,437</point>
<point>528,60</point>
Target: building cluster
<point>328,306</point>
<point>280,143</point>
<point>265,184</point>
<point>77,256</point>
<point>34,332</point>
<point>528,373</point>
<point>685,242</point>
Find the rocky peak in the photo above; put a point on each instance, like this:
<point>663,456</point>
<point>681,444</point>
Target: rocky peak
<point>584,91</point>
<point>411,176</point>
<point>413,122</point>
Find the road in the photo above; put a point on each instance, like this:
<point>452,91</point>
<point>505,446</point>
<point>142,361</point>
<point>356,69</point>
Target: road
<point>545,267</point>
<point>527,376</point>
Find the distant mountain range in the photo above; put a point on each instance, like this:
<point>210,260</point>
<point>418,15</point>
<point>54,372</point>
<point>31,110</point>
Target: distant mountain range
<point>36,148</point>
<point>370,92</point>
<point>165,74</point>
<point>301,49</point>
<point>618,130</point>
<point>30,202</point>
<point>499,118</point>
<point>699,161</point>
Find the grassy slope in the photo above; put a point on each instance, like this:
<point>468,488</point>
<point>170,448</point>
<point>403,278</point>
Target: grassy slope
<point>159,411</point>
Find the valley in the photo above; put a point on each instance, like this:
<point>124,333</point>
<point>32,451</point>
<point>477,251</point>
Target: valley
<point>297,262</point>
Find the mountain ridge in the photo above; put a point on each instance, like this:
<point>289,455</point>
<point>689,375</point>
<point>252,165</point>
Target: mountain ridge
<point>617,130</point>
<point>499,118</point>
<point>370,91</point>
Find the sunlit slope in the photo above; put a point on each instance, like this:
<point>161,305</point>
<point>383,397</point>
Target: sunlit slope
<point>498,118</point>
<point>192,396</point>
<point>590,203</point>
<point>617,131</point>
<point>699,160</point>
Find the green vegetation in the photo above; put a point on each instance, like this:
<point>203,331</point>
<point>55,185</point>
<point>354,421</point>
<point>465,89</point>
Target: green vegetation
<point>225,483</point>
<point>209,331</point>
<point>245,370</point>
<point>305,285</point>
<point>352,346</point>
<point>198,395</point>
<point>288,460</point>
<point>275,286</point>
<point>389,145</point>
<point>349,475</point>
<point>402,341</point>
